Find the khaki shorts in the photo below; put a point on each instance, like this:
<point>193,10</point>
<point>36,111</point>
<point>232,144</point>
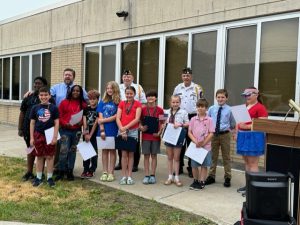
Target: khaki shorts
<point>150,147</point>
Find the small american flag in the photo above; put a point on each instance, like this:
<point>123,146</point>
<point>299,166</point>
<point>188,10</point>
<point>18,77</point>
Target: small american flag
<point>163,117</point>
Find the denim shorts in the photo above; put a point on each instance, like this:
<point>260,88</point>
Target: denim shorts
<point>207,161</point>
<point>132,133</point>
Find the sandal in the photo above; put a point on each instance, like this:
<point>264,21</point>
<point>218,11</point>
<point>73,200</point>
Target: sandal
<point>110,177</point>
<point>103,177</point>
<point>168,182</point>
<point>178,183</point>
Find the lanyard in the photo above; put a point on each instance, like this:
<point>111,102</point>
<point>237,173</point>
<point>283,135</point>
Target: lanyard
<point>172,117</point>
<point>154,112</point>
<point>127,109</point>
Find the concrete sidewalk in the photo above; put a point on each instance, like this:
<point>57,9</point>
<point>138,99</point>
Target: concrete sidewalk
<point>222,205</point>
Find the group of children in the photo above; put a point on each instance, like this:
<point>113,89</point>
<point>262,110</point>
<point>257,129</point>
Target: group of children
<point>111,117</point>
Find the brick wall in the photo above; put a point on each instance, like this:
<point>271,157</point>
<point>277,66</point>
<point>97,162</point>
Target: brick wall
<point>66,56</point>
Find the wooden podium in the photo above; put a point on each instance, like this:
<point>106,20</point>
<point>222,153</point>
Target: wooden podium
<point>283,151</point>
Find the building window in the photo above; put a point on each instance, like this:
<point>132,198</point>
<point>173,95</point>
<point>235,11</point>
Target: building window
<point>278,63</point>
<point>204,62</point>
<point>25,75</point>
<point>6,77</point>
<point>129,57</point>
<point>240,62</point>
<point>149,61</point>
<point>36,66</point>
<point>15,78</point>
<point>46,67</point>
<point>92,68</point>
<point>175,61</point>
<point>108,66</point>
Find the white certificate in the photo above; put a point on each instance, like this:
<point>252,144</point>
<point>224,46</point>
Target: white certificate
<point>171,134</point>
<point>86,150</point>
<point>108,143</point>
<point>76,118</point>
<point>196,154</point>
<point>240,114</point>
<point>49,133</point>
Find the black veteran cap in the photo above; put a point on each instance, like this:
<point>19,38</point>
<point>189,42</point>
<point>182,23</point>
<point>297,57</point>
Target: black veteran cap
<point>187,70</point>
<point>127,72</point>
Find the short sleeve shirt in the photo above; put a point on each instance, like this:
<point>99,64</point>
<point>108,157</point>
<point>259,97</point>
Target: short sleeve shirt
<point>44,116</point>
<point>128,112</point>
<point>180,117</point>
<point>201,128</point>
<point>159,111</point>
<point>108,109</point>
<point>91,116</point>
<point>139,96</point>
<point>189,96</point>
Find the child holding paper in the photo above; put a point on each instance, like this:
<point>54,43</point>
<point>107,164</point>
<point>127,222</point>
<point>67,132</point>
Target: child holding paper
<point>107,110</point>
<point>90,130</point>
<point>70,134</point>
<point>151,135</point>
<point>201,131</point>
<point>128,117</point>
<point>251,144</point>
<point>179,118</point>
<point>42,117</point>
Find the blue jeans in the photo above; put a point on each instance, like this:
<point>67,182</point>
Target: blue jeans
<point>68,146</point>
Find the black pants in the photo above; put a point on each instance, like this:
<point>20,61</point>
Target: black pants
<point>137,154</point>
<point>184,147</point>
<point>90,165</point>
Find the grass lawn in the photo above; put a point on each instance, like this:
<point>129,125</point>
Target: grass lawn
<point>79,202</point>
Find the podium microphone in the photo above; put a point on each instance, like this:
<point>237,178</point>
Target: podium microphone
<point>293,106</point>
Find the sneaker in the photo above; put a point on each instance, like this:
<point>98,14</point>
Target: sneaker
<point>50,182</point>
<point>130,181</point>
<point>194,185</point>
<point>123,181</point>
<point>28,176</point>
<point>146,180</point>
<point>104,177</point>
<point>37,182</point>
<point>241,189</point>
<point>227,182</point>
<point>89,175</point>
<point>201,184</point>
<point>210,180</point>
<point>152,179</point>
<point>83,175</point>
<point>60,176</point>
<point>110,177</point>
<point>135,169</point>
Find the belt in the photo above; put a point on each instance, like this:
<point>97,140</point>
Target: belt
<point>222,132</point>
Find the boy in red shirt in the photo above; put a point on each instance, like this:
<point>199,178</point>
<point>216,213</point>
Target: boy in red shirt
<point>151,129</point>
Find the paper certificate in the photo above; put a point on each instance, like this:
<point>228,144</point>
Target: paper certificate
<point>86,150</point>
<point>49,135</point>
<point>171,135</point>
<point>240,114</point>
<point>196,154</point>
<point>76,118</point>
<point>108,143</point>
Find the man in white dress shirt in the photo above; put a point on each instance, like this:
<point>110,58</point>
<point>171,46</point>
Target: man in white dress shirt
<point>189,93</point>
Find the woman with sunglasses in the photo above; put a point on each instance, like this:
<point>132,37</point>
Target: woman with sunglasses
<point>250,144</point>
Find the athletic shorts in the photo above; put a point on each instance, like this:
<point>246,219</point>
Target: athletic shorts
<point>150,147</point>
<point>41,147</point>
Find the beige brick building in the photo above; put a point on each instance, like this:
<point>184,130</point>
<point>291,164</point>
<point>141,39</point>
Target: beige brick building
<point>228,43</point>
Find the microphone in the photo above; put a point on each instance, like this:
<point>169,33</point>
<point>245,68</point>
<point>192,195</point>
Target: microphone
<point>294,106</point>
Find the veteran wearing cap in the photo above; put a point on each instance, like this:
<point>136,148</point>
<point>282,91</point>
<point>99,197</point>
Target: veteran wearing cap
<point>189,93</point>
<point>128,78</point>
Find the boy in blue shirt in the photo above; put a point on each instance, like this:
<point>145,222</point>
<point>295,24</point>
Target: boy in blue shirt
<point>224,123</point>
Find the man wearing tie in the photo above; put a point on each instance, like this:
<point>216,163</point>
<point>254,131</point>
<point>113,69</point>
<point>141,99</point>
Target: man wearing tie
<point>224,122</point>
